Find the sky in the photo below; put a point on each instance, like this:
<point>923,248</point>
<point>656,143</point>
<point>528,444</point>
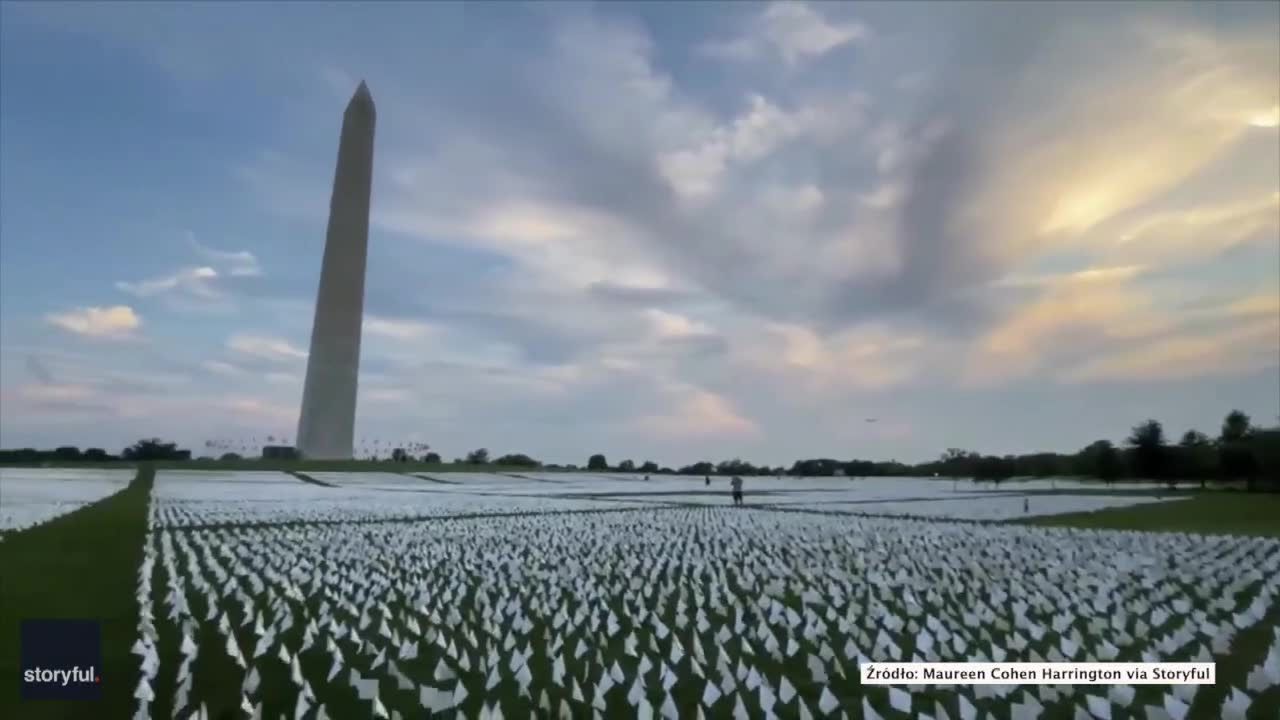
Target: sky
<point>658,231</point>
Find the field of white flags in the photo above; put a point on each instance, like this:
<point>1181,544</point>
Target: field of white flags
<point>32,496</point>
<point>384,595</point>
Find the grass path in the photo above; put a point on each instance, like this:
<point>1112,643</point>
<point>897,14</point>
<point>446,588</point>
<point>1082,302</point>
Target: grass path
<point>81,565</point>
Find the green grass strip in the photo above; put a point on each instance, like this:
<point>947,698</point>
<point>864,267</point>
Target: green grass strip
<point>1225,513</point>
<point>81,565</point>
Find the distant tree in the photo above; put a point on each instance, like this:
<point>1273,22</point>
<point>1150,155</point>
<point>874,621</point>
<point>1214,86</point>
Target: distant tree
<point>67,453</point>
<point>666,471</point>
<point>1149,453</point>
<point>819,467</point>
<point>698,468</point>
<point>1100,459</point>
<point>399,455</point>
<point>154,449</point>
<point>1041,465</point>
<point>649,466</point>
<point>993,468</point>
<point>1236,458</point>
<point>736,466</point>
<point>956,463</point>
<point>1266,452</point>
<point>431,457</point>
<point>517,460</point>
<point>96,455</point>
<point>21,455</point>
<point>478,457</point>
<point>597,462</point>
<point>230,457</point>
<point>859,468</point>
<point>626,466</point>
<point>1235,427</point>
<point>1195,456</point>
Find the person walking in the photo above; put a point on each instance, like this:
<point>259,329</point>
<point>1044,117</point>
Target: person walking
<point>706,480</point>
<point>736,482</point>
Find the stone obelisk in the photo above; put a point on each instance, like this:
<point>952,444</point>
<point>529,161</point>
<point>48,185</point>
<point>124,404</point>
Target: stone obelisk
<point>326,426</point>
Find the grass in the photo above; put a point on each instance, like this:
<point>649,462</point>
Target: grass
<point>85,564</point>
<point>218,677</point>
<point>1226,513</point>
<point>81,565</point>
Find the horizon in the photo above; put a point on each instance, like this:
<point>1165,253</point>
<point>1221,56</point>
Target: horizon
<point>648,231</point>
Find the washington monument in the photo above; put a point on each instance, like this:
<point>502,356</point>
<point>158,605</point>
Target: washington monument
<point>326,427</point>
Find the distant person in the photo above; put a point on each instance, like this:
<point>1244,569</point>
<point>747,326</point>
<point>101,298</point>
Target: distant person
<point>1026,505</point>
<point>736,482</point>
<point>646,478</point>
<point>707,480</point>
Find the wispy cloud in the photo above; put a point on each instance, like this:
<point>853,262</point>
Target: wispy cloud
<point>397,329</point>
<point>267,348</point>
<point>1245,347</point>
<point>193,280</point>
<point>218,367</point>
<point>238,263</point>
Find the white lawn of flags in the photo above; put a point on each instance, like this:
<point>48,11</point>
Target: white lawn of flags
<point>32,496</point>
<point>390,594</point>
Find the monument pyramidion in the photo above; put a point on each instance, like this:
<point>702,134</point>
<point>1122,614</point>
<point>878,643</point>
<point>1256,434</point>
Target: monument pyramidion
<point>326,425</point>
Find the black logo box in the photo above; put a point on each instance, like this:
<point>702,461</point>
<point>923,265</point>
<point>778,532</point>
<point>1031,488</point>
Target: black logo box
<point>61,660</point>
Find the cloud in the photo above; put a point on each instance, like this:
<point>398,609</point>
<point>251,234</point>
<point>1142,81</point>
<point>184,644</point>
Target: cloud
<point>1027,164</point>
<point>194,288</point>
<point>668,238</point>
<point>697,413</point>
<point>42,403</point>
<point>57,393</point>
<point>396,329</point>
<point>255,410</point>
<point>1241,348</point>
<point>1078,277</point>
<point>219,367</point>
<point>1189,234</point>
<point>858,360</point>
<point>694,172</point>
<point>239,263</point>
<point>115,322</point>
<point>282,378</point>
<point>670,325</point>
<point>793,30</point>
<point>1076,311</point>
<point>267,348</point>
<point>1264,304</point>
<point>635,295</point>
<point>195,281</point>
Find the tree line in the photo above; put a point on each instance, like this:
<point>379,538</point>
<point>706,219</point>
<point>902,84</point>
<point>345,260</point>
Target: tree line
<point>1240,451</point>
